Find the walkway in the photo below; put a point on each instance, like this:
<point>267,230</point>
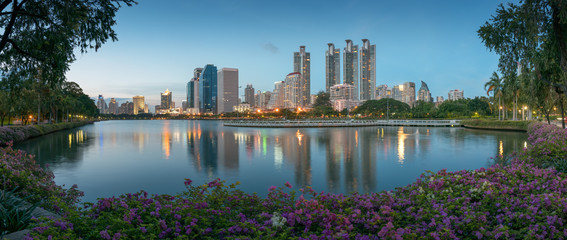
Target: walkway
<point>340,123</point>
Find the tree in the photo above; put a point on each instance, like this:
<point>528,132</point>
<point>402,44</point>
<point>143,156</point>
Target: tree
<point>494,85</point>
<point>323,99</point>
<point>530,36</point>
<point>423,109</point>
<point>382,107</point>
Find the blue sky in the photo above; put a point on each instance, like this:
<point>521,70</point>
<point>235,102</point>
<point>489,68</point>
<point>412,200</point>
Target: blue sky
<point>161,42</point>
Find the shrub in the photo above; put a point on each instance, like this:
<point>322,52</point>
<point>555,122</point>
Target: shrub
<point>547,146</point>
<point>15,213</point>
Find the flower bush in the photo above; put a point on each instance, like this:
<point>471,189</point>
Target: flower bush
<point>547,146</point>
<point>19,171</point>
<point>515,201</point>
<point>21,133</point>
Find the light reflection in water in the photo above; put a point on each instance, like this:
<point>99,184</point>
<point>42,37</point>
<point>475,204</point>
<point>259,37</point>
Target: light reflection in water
<point>165,140</point>
<point>525,144</point>
<point>501,149</point>
<point>401,145</point>
<point>299,136</point>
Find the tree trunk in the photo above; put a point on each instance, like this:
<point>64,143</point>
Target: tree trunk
<point>38,106</point>
<point>562,114</point>
<point>514,114</point>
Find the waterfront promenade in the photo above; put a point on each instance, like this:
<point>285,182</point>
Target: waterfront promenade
<point>340,123</point>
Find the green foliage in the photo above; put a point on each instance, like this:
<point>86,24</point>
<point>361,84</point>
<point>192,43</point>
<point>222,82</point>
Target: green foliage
<point>323,100</point>
<point>15,213</point>
<point>423,110</point>
<point>379,108</point>
<point>494,124</point>
<point>453,109</point>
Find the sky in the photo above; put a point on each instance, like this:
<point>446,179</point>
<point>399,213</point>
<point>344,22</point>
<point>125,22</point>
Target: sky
<point>161,42</point>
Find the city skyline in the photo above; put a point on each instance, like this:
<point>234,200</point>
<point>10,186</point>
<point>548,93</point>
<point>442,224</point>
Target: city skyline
<point>435,43</point>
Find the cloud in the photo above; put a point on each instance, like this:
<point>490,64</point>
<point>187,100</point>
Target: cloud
<point>270,47</point>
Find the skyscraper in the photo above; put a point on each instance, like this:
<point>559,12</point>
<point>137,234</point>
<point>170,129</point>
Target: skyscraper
<point>227,89</point>
<point>302,65</point>
<point>208,94</point>
<point>139,104</point>
<point>193,89</point>
<point>367,71</point>
<point>292,88</point>
<point>408,93</point>
<point>249,95</point>
<point>332,66</point>
<point>350,66</point>
<point>101,105</point>
<point>423,94</point>
<point>166,100</point>
<point>113,106</point>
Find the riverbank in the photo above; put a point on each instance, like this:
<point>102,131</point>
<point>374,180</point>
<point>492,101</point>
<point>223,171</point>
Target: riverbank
<point>483,203</point>
<point>341,123</point>
<point>503,125</point>
<point>15,133</point>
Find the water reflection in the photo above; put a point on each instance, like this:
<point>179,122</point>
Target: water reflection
<point>340,160</point>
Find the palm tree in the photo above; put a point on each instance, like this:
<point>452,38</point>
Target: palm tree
<point>494,85</point>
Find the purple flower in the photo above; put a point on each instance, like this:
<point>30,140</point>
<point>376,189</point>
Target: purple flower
<point>104,234</point>
<point>188,181</point>
<point>287,184</point>
<point>272,188</point>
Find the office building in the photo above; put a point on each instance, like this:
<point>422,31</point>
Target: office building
<point>332,67</point>
<point>166,100</point>
<point>193,89</point>
<point>277,98</point>
<point>227,89</point>
<point>302,65</point>
<point>113,106</point>
<point>208,94</point>
<point>408,93</point>
<point>350,66</point>
<point>367,71</point>
<point>456,95</point>
<point>424,94</point>
<point>249,95</point>
<point>101,105</point>
<point>139,105</point>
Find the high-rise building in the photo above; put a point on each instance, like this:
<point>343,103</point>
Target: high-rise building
<point>257,99</point>
<point>367,71</point>
<point>456,95</point>
<point>249,95</point>
<point>350,66</point>
<point>332,66</point>
<point>277,98</point>
<point>423,94</point>
<point>342,96</point>
<point>101,105</point>
<point>208,94</point>
<point>193,89</point>
<point>439,101</point>
<point>397,92</point>
<point>292,96</point>
<point>302,65</point>
<point>264,99</point>
<point>227,89</point>
<point>166,100</point>
<point>139,105</point>
<point>113,106</point>
<point>408,93</point>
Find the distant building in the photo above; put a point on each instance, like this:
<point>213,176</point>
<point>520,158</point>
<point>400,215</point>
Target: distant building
<point>257,99</point>
<point>292,96</point>
<point>193,91</point>
<point>208,94</point>
<point>264,99</point>
<point>439,100</point>
<point>408,93</point>
<point>302,65</point>
<point>139,105</point>
<point>227,89</point>
<point>367,71</point>
<point>342,96</point>
<point>166,99</point>
<point>113,106</point>
<point>383,91</point>
<point>456,95</point>
<point>423,94</point>
<point>332,67</point>
<point>350,66</point>
<point>243,107</point>
<point>101,105</point>
<point>277,98</point>
<point>249,95</point>
<point>397,92</point>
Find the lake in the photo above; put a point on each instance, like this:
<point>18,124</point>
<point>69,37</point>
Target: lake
<point>114,157</point>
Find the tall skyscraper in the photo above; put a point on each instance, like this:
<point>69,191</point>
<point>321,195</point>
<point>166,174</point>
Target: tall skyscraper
<point>423,94</point>
<point>408,93</point>
<point>350,66</point>
<point>277,98</point>
<point>302,65</point>
<point>332,66</point>
<point>367,71</point>
<point>139,104</point>
<point>249,95</point>
<point>166,100</point>
<point>101,105</point>
<point>227,89</point>
<point>113,106</point>
<point>193,89</point>
<point>208,94</point>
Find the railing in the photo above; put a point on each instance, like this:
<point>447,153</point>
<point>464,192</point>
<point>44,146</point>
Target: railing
<point>341,123</point>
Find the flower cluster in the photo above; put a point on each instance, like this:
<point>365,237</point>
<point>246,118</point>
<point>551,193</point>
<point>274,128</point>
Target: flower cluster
<point>21,133</point>
<point>547,146</point>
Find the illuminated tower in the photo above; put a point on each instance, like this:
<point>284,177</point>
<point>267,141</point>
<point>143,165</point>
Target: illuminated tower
<point>350,66</point>
<point>332,67</point>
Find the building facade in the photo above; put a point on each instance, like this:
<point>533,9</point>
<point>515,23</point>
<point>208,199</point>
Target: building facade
<point>139,105</point>
<point>383,91</point>
<point>208,94</point>
<point>302,65</point>
<point>292,89</point>
<point>166,100</point>
<point>193,89</point>
<point>456,95</point>
<point>113,106</point>
<point>367,71</point>
<point>332,67</point>
<point>350,66</point>
<point>423,94</point>
<point>249,95</point>
<point>408,93</point>
<point>227,89</point>
<point>101,105</point>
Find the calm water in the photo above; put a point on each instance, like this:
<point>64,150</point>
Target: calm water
<point>115,157</point>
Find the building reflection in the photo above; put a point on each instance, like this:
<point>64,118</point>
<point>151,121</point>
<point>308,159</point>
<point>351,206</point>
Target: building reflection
<point>297,151</point>
<point>210,148</point>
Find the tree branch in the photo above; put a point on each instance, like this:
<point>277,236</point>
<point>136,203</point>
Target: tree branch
<point>4,4</point>
<point>15,46</point>
<point>8,28</point>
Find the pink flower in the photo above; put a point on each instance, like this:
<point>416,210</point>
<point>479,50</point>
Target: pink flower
<point>287,184</point>
<point>272,188</point>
